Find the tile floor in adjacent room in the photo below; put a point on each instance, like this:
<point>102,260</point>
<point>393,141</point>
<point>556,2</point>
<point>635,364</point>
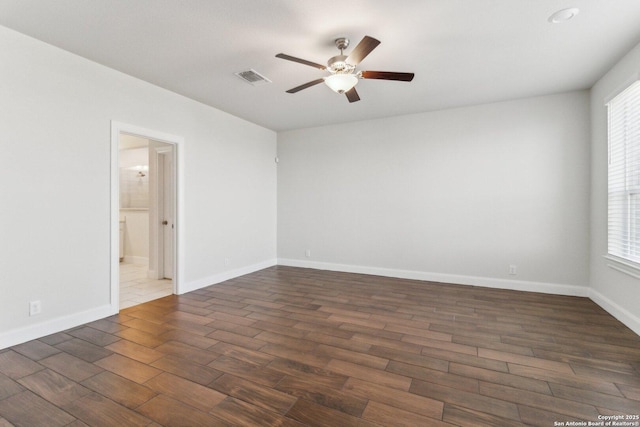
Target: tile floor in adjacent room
<point>136,287</point>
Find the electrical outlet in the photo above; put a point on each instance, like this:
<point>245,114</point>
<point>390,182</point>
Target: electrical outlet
<point>35,307</point>
<point>308,253</point>
<point>513,270</point>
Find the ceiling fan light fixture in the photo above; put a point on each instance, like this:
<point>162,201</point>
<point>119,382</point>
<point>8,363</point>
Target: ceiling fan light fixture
<point>341,83</point>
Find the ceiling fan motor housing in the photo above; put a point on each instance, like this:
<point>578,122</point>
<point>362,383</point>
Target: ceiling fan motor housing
<point>342,43</point>
<point>338,65</point>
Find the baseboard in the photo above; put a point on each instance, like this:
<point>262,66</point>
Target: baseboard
<point>629,319</point>
<point>518,285</point>
<point>38,330</point>
<point>51,326</point>
<point>227,275</point>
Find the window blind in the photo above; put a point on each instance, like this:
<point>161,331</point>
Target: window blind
<point>624,174</point>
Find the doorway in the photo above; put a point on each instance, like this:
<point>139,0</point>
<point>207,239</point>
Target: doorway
<point>145,260</point>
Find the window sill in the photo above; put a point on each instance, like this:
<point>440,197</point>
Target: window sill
<point>623,266</point>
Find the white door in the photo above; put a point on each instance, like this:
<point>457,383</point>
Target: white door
<point>167,214</point>
<point>162,209</point>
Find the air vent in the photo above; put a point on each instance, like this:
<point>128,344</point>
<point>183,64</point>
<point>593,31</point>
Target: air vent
<point>253,77</point>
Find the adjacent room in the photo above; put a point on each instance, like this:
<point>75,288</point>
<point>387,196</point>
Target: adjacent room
<point>367,213</point>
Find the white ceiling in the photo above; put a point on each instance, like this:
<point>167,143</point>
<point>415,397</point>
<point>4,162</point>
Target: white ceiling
<point>463,52</point>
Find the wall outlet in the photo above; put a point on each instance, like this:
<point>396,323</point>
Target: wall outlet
<point>35,307</point>
<point>227,261</point>
<point>307,253</point>
<point>513,270</point>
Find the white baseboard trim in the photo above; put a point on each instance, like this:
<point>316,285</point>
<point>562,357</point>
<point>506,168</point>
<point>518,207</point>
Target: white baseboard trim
<point>489,282</point>
<point>629,319</point>
<point>51,326</point>
<point>227,275</point>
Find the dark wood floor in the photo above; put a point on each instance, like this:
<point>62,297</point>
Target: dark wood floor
<point>292,347</point>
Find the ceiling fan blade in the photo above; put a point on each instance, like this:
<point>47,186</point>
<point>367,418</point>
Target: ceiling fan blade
<point>352,95</point>
<point>300,61</point>
<point>304,86</point>
<point>364,48</point>
<point>387,75</point>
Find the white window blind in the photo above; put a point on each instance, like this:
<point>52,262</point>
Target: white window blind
<point>624,174</point>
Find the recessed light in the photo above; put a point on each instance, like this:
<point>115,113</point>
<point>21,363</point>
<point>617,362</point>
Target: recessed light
<point>563,15</point>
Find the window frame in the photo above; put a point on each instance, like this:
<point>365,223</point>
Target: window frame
<point>626,256</point>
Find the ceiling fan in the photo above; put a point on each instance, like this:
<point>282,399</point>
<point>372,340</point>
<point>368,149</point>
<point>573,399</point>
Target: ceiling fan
<point>343,75</point>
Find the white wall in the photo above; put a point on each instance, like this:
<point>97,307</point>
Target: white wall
<point>56,111</point>
<point>455,195</point>
<point>619,293</point>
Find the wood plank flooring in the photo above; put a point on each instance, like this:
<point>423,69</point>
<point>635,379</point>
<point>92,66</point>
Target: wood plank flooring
<point>299,347</point>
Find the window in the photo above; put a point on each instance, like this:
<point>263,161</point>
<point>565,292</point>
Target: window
<point>624,174</point>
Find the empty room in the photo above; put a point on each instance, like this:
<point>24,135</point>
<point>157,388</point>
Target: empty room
<point>304,213</point>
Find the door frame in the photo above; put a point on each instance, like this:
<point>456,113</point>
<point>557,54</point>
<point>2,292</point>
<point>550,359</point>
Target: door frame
<point>118,128</point>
